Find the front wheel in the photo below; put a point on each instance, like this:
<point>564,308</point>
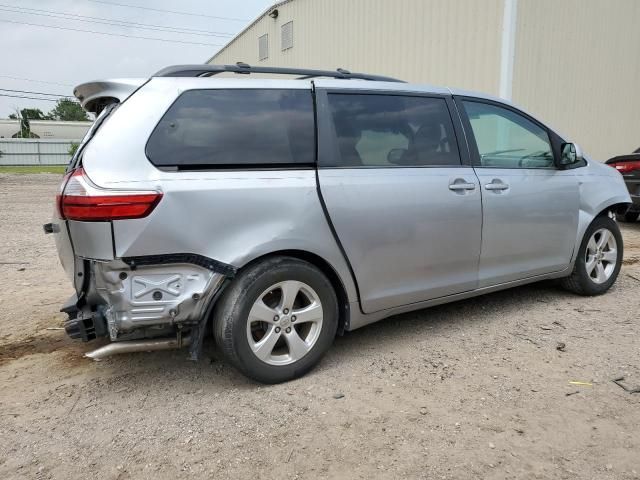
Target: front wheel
<point>277,319</point>
<point>599,259</point>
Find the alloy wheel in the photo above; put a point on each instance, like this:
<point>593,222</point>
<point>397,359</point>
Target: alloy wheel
<point>284,322</point>
<point>601,256</point>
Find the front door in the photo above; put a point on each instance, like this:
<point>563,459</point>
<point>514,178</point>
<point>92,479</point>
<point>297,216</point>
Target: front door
<point>405,208</point>
<point>530,207</point>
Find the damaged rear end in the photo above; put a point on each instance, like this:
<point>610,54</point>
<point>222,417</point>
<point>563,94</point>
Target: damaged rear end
<point>162,297</point>
<point>139,303</point>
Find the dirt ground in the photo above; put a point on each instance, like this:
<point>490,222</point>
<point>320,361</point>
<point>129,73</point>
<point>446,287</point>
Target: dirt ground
<point>473,389</point>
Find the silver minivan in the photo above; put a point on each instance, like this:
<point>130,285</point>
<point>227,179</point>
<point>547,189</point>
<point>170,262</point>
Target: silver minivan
<point>278,212</point>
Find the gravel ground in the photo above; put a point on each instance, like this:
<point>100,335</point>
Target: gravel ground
<point>473,389</point>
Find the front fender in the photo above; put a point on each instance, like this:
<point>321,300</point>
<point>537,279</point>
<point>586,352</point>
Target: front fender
<point>601,188</point>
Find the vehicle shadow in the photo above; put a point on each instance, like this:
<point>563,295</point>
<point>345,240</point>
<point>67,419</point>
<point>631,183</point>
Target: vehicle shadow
<point>456,318</point>
<point>451,317</point>
<point>630,226</point>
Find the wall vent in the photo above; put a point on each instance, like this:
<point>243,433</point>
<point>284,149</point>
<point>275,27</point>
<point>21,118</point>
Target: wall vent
<point>263,47</point>
<point>287,36</point>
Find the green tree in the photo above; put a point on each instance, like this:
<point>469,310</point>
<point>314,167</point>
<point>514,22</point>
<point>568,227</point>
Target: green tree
<point>68,110</point>
<point>25,115</point>
<point>73,148</point>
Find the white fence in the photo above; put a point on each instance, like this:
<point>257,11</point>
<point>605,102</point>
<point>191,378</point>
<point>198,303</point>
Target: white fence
<point>34,152</point>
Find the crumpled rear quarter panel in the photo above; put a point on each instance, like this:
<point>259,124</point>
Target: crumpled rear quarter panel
<point>235,217</point>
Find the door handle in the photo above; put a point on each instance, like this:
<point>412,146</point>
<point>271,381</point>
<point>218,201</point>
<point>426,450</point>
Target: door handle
<point>462,186</point>
<point>496,185</point>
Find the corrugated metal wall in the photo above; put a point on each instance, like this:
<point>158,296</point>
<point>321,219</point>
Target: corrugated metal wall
<point>577,62</point>
<point>577,65</point>
<point>34,152</point>
<point>453,42</point>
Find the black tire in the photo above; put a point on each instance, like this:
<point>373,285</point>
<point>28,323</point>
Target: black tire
<point>579,281</point>
<point>231,315</point>
<point>628,217</point>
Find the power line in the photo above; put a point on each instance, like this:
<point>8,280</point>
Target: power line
<point>112,34</point>
<point>31,98</point>
<point>35,93</point>
<point>112,22</point>
<point>120,21</point>
<point>169,11</point>
<point>36,81</point>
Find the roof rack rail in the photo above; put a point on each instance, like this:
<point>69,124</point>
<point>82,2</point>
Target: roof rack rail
<point>245,69</point>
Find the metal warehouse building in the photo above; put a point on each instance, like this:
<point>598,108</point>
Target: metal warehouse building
<point>573,63</point>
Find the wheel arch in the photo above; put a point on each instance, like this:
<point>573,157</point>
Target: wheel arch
<point>619,208</point>
<point>326,268</point>
<point>587,216</point>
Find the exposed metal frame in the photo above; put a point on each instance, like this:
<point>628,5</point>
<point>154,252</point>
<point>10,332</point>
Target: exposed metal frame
<point>245,69</point>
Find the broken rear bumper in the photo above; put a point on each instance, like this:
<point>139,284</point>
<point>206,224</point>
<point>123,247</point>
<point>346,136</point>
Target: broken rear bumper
<point>145,297</point>
<point>83,323</point>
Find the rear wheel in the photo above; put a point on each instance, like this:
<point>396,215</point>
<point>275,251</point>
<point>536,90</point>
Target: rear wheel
<point>277,319</point>
<point>599,259</point>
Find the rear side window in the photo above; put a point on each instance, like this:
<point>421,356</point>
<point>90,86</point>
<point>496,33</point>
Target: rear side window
<point>392,131</point>
<point>235,128</point>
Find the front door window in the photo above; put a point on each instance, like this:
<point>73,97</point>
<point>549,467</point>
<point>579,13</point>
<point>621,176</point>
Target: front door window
<point>506,139</point>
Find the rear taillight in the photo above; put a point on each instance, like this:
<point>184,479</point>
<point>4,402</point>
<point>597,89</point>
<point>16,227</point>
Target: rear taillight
<point>82,200</point>
<point>65,179</point>
<point>626,167</point>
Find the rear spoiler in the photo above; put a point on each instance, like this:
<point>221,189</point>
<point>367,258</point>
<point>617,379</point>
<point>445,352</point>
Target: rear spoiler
<point>95,96</point>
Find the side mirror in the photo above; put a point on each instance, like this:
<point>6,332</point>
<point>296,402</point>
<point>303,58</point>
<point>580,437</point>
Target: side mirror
<point>396,155</point>
<point>571,153</point>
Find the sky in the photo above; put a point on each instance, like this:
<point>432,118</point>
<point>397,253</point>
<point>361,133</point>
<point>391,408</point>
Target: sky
<point>54,60</point>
